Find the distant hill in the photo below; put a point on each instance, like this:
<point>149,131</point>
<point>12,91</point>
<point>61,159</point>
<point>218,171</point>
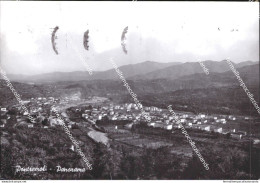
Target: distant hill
<point>188,68</point>
<point>249,74</point>
<point>198,91</point>
<point>148,70</point>
<point>133,69</point>
<point>51,77</point>
<point>128,71</point>
<point>242,64</point>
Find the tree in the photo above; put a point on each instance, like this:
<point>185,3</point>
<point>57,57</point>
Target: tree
<point>7,169</point>
<point>45,122</point>
<point>99,164</point>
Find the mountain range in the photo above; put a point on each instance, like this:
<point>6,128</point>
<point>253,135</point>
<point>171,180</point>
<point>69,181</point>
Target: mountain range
<point>184,85</point>
<point>148,70</point>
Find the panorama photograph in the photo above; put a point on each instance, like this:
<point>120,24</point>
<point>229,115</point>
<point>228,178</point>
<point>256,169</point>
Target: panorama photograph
<point>129,90</point>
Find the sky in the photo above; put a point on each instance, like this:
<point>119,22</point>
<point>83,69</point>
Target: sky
<point>157,31</point>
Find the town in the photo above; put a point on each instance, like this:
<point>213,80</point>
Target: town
<point>99,108</point>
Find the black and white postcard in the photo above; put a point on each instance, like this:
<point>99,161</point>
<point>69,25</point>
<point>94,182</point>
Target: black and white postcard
<point>129,91</point>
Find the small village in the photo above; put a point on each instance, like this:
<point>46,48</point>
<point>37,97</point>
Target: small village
<point>39,108</point>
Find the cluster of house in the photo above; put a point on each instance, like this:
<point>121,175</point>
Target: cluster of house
<point>163,119</point>
<point>36,108</point>
<point>202,122</point>
<point>160,118</point>
<point>39,109</point>
<point>3,117</point>
<point>118,112</point>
